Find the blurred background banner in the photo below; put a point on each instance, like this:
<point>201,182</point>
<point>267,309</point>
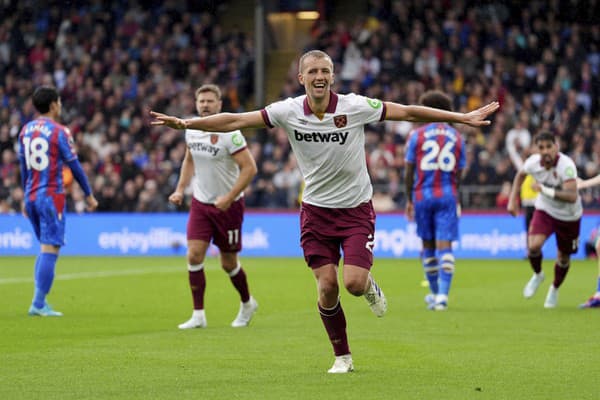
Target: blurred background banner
<point>267,235</point>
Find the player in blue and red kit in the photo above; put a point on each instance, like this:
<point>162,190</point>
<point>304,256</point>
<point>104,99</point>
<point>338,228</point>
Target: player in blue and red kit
<point>435,157</point>
<point>45,147</point>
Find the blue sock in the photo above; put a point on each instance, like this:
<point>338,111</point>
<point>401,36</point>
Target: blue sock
<point>598,288</point>
<point>36,269</point>
<point>44,277</point>
<point>431,268</point>
<point>446,270</point>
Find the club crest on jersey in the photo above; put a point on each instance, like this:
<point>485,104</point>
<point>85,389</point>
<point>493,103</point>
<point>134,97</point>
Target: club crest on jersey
<point>214,138</point>
<point>340,121</point>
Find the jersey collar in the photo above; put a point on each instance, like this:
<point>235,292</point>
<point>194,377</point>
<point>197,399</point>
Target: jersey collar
<point>333,100</point>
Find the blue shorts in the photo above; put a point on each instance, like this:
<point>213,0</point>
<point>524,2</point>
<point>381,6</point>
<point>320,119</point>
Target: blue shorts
<point>47,217</point>
<point>436,219</point>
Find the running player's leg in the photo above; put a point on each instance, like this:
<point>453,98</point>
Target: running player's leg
<point>332,314</point>
<point>540,229</point>
<point>357,226</point>
<point>322,255</point>
<point>567,242</point>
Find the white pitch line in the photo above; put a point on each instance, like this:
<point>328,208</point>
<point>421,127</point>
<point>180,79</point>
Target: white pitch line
<point>97,274</point>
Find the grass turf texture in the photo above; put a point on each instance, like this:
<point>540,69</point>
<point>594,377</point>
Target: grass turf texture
<point>119,337</point>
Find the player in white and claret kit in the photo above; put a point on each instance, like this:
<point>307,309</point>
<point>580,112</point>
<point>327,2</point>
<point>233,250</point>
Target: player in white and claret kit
<point>219,166</point>
<point>558,210</point>
<point>326,133</point>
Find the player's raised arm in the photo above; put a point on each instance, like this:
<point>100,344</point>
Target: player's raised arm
<point>587,183</point>
<point>223,122</point>
<point>401,112</point>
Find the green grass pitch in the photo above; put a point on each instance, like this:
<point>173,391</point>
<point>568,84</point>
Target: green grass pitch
<point>119,339</point>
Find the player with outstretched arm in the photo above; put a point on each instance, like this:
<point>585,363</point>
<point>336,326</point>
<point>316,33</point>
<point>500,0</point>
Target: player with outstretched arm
<point>326,133</point>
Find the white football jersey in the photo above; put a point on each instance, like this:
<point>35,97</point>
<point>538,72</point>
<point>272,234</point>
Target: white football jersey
<point>564,170</point>
<point>215,170</point>
<point>331,151</point>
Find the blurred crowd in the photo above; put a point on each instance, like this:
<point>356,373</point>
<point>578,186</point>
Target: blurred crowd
<point>113,62</point>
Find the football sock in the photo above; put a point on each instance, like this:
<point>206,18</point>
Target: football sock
<point>197,280</point>
<point>598,288</point>
<point>334,321</point>
<point>36,269</point>
<point>560,272</point>
<point>238,278</point>
<point>431,268</point>
<point>45,265</point>
<point>536,262</point>
<point>446,270</point>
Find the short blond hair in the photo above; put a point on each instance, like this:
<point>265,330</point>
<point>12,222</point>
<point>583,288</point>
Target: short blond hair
<point>209,87</point>
<point>315,54</point>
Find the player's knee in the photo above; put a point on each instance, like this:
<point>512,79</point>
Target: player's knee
<point>535,249</point>
<point>356,287</point>
<point>195,257</point>
<point>564,260</point>
<point>328,295</point>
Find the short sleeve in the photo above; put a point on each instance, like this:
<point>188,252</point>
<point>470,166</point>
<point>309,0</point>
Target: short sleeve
<point>275,114</point>
<point>370,110</point>
<point>568,171</point>
<point>236,142</point>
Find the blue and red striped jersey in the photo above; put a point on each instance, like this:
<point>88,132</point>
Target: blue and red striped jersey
<point>44,147</point>
<point>438,152</point>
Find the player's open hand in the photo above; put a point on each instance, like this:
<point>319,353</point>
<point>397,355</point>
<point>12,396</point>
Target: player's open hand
<point>176,198</point>
<point>478,117</point>
<point>166,120</point>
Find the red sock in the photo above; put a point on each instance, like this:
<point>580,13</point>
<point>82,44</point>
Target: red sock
<point>241,284</point>
<point>198,286</point>
<point>560,274</point>
<point>334,321</point>
<point>536,263</point>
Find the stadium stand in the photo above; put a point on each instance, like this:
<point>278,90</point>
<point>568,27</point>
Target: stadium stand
<point>114,61</point>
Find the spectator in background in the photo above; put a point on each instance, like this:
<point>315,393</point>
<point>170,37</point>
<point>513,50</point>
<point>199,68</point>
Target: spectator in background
<point>106,65</point>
